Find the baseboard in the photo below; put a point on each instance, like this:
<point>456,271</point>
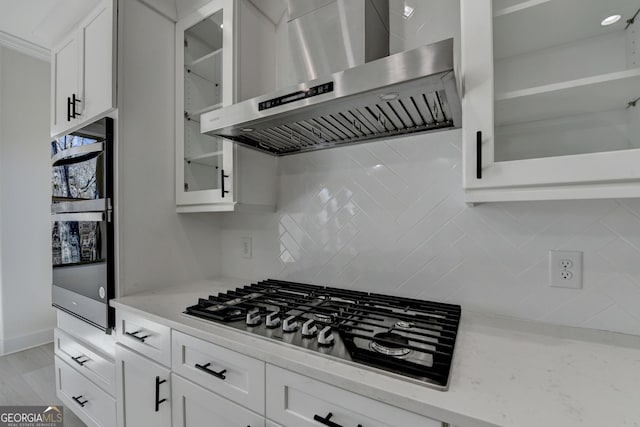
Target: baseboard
<point>34,339</point>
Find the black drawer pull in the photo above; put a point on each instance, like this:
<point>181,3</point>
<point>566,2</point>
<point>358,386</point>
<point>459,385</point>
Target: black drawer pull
<point>206,369</point>
<point>74,100</point>
<point>68,108</point>
<point>479,154</point>
<point>327,420</point>
<point>158,400</point>
<point>80,362</point>
<point>78,401</point>
<point>135,335</point>
<point>222,177</point>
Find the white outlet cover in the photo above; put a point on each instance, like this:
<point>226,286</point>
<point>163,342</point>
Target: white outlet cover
<point>557,278</point>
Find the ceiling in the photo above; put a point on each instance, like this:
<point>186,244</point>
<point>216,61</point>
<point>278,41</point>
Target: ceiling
<point>33,26</point>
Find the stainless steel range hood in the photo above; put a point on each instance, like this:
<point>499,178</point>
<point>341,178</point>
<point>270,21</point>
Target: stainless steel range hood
<point>363,95</point>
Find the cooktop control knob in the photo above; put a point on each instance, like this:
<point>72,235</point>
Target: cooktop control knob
<point>309,329</point>
<point>325,336</point>
<point>273,319</point>
<point>253,317</point>
<point>290,324</point>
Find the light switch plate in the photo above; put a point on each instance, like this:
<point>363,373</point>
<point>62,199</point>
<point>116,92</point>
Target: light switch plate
<point>246,249</point>
<point>565,269</point>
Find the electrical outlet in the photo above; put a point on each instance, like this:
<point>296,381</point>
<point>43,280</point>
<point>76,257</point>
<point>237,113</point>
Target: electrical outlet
<point>565,269</point>
<point>246,249</point>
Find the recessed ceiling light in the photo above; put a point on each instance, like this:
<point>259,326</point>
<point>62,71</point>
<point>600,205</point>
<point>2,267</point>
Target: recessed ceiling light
<point>408,11</point>
<point>610,20</point>
<point>389,96</point>
<point>247,129</point>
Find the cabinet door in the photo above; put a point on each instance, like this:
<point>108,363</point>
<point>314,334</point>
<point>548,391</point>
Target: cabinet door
<point>65,69</point>
<point>204,82</point>
<point>97,41</point>
<point>553,111</point>
<point>144,392</point>
<point>196,407</point>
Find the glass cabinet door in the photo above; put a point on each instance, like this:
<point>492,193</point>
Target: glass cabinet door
<point>204,82</point>
<point>558,103</point>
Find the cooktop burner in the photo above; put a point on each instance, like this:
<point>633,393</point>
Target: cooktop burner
<point>409,337</point>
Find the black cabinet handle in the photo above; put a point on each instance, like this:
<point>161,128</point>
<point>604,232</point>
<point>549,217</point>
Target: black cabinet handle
<point>68,109</point>
<point>206,369</point>
<point>78,361</point>
<point>135,335</point>
<point>78,401</point>
<point>75,100</point>
<point>327,420</point>
<point>222,177</point>
<point>158,400</point>
<point>479,154</point>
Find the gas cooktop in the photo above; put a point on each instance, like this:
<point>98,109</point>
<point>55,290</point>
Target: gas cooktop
<point>408,337</point>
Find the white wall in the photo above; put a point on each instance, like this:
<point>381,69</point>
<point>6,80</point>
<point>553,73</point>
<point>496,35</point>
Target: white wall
<point>157,246</point>
<point>25,197</point>
<point>389,217</point>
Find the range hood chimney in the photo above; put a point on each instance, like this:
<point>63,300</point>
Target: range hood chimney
<point>327,36</point>
<point>349,90</point>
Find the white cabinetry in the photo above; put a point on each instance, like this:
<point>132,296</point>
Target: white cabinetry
<point>212,174</point>
<point>549,100</point>
<point>144,395</point>
<point>85,370</point>
<point>195,406</point>
<point>83,71</point>
<point>298,401</point>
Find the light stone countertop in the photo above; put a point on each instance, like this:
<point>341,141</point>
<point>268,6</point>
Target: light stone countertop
<point>506,372</point>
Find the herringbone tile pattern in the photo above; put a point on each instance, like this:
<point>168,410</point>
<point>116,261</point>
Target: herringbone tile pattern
<point>390,217</point>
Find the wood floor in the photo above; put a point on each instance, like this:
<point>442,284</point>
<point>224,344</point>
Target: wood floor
<point>28,378</point>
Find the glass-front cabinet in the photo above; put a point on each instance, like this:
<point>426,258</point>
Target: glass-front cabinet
<point>550,104</point>
<point>204,82</point>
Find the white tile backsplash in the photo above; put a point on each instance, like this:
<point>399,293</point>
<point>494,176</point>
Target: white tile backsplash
<point>389,217</point>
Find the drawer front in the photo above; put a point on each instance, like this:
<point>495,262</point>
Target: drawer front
<point>92,404</point>
<point>87,333</point>
<point>195,406</point>
<point>89,363</point>
<point>237,377</point>
<point>295,400</point>
<point>145,336</point>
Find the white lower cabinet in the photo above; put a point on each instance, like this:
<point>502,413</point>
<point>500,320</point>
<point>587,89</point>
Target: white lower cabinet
<point>144,390</point>
<point>297,401</point>
<point>89,402</point>
<point>195,406</point>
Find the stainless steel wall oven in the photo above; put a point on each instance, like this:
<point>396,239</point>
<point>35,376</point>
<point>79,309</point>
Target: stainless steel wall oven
<point>82,223</point>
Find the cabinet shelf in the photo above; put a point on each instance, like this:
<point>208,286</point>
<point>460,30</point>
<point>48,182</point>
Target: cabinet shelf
<point>207,66</point>
<point>605,92</point>
<point>196,113</point>
<point>208,159</point>
<point>538,24</point>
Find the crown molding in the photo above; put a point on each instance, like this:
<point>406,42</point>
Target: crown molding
<point>24,46</point>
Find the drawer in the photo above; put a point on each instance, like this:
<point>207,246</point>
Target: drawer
<point>91,364</point>
<point>144,336</point>
<point>295,400</point>
<point>195,406</point>
<point>88,401</point>
<point>87,333</point>
<point>233,375</point>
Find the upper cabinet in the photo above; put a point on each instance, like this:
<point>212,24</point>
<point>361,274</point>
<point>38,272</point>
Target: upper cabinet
<point>550,99</point>
<point>212,174</point>
<point>83,71</point>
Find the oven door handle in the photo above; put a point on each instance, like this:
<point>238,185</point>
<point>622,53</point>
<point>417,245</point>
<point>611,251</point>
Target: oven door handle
<point>78,154</point>
<point>327,420</point>
<point>79,216</point>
